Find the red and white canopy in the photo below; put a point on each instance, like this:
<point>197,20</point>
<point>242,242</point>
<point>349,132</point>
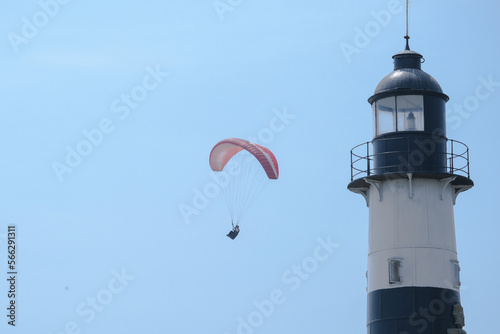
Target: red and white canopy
<point>224,150</point>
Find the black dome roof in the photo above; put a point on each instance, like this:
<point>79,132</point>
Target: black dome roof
<point>407,76</point>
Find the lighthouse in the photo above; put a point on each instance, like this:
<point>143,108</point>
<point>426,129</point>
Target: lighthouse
<point>410,175</point>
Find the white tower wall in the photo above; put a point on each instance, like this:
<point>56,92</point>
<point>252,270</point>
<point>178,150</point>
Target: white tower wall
<point>412,221</point>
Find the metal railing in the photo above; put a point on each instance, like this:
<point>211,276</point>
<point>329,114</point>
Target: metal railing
<point>362,158</point>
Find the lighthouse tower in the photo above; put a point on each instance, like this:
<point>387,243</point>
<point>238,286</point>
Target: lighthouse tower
<point>410,175</point>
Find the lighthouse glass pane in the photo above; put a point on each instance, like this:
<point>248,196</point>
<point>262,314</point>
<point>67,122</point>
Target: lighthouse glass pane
<point>410,112</point>
<point>385,115</point>
<point>374,112</point>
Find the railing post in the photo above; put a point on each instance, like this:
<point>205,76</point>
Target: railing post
<point>352,175</point>
<point>468,171</point>
<point>451,158</point>
<point>367,158</point>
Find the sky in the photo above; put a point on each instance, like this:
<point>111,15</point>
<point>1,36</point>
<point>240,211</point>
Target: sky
<point>108,113</point>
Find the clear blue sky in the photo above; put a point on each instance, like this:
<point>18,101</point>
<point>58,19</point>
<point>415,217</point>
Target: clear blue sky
<point>102,244</point>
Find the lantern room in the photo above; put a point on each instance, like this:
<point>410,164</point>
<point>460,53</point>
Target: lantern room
<point>409,114</point>
<point>408,99</point>
<point>409,130</point>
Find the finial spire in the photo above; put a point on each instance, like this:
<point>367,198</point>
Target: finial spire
<point>407,47</point>
<point>407,36</point>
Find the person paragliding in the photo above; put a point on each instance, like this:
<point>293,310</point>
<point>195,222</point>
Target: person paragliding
<point>243,170</point>
<point>234,232</point>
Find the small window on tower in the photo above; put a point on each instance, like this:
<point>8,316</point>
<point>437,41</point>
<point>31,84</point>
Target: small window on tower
<point>456,273</point>
<point>395,270</point>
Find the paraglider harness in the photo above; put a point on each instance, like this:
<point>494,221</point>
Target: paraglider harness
<point>234,232</point>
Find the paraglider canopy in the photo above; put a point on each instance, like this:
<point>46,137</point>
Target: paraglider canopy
<point>224,150</point>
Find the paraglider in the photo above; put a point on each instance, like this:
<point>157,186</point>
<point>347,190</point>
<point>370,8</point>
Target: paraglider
<point>243,169</point>
<point>234,232</point>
